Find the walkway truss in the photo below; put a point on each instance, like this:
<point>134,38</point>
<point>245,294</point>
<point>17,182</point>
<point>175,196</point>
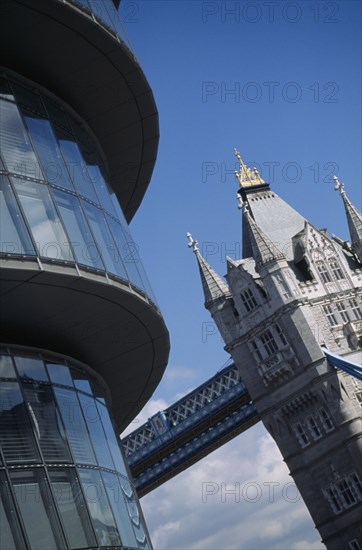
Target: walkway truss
<point>203,420</point>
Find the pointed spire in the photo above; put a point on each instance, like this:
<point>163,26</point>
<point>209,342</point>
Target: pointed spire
<point>354,219</point>
<point>264,251</point>
<point>213,285</point>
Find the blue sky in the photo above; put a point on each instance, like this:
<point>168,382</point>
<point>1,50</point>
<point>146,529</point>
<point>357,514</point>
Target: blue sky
<point>281,82</point>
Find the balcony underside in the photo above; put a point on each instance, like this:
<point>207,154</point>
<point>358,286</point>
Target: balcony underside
<point>104,323</point>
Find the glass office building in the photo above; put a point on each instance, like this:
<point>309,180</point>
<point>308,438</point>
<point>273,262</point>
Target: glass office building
<point>83,343</point>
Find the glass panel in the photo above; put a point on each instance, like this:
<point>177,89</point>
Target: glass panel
<point>98,438</point>
<point>48,426</point>
<point>6,368</point>
<point>15,144</point>
<point>27,98</point>
<point>15,238</point>
<point>16,435</point>
<point>118,209</point>
<point>31,368</point>
<point>10,534</point>
<point>105,241</point>
<point>129,256</point>
<point>77,167</point>
<point>51,159</point>
<point>113,440</point>
<point>134,249</point>
<point>76,429</point>
<point>46,227</point>
<point>116,499</point>
<point>72,508</point>
<point>78,230</point>
<point>98,505</point>
<point>56,113</point>
<point>5,91</point>
<point>101,188</point>
<point>37,509</point>
<point>59,374</point>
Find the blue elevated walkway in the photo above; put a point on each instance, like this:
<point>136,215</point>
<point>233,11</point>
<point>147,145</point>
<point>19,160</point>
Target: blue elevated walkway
<point>203,420</point>
<point>200,422</point>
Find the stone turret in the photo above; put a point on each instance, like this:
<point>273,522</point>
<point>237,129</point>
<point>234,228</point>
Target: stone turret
<point>295,290</point>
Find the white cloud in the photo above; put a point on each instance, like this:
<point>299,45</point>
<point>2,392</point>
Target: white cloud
<point>239,497</point>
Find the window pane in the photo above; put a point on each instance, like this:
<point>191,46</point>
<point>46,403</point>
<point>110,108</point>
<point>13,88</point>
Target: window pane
<point>77,168</point>
<point>116,499</point>
<point>56,113</point>
<point>43,219</point>
<point>98,505</point>
<point>101,187</point>
<point>15,238</point>
<point>31,368</point>
<point>16,436</point>
<point>104,240</point>
<point>113,440</point>
<point>72,508</point>
<point>134,250</point>
<point>48,151</point>
<point>128,254</point>
<point>85,249</point>
<point>27,98</point>
<point>59,374</point>
<point>10,534</point>
<point>96,432</point>
<point>37,509</point>
<point>48,426</point>
<point>6,367</point>
<point>15,145</point>
<point>76,429</point>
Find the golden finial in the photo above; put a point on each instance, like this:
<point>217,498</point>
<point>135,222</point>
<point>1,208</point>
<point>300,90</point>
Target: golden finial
<point>245,177</point>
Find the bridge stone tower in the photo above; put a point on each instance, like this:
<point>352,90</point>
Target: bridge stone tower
<point>295,291</point>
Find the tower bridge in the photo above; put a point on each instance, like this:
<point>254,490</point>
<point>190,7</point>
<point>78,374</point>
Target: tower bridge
<point>304,385</point>
<point>203,420</point>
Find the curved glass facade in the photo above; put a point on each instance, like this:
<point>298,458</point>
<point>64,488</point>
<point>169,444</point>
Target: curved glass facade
<point>64,483</point>
<point>55,200</point>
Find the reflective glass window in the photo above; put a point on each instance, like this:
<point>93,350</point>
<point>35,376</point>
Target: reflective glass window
<point>43,219</point>
<point>99,508</point>
<point>10,534</point>
<point>15,145</point>
<point>77,168</point>
<point>56,113</point>
<point>96,432</point>
<point>16,436</point>
<point>116,499</point>
<point>51,159</point>
<point>111,255</point>
<point>112,439</point>
<point>72,508</point>
<point>75,427</point>
<point>31,368</point>
<point>101,188</point>
<point>27,98</point>
<point>59,374</point>
<point>37,509</point>
<point>6,367</point>
<point>47,423</point>
<point>5,91</point>
<point>15,238</point>
<point>127,252</point>
<point>84,247</point>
